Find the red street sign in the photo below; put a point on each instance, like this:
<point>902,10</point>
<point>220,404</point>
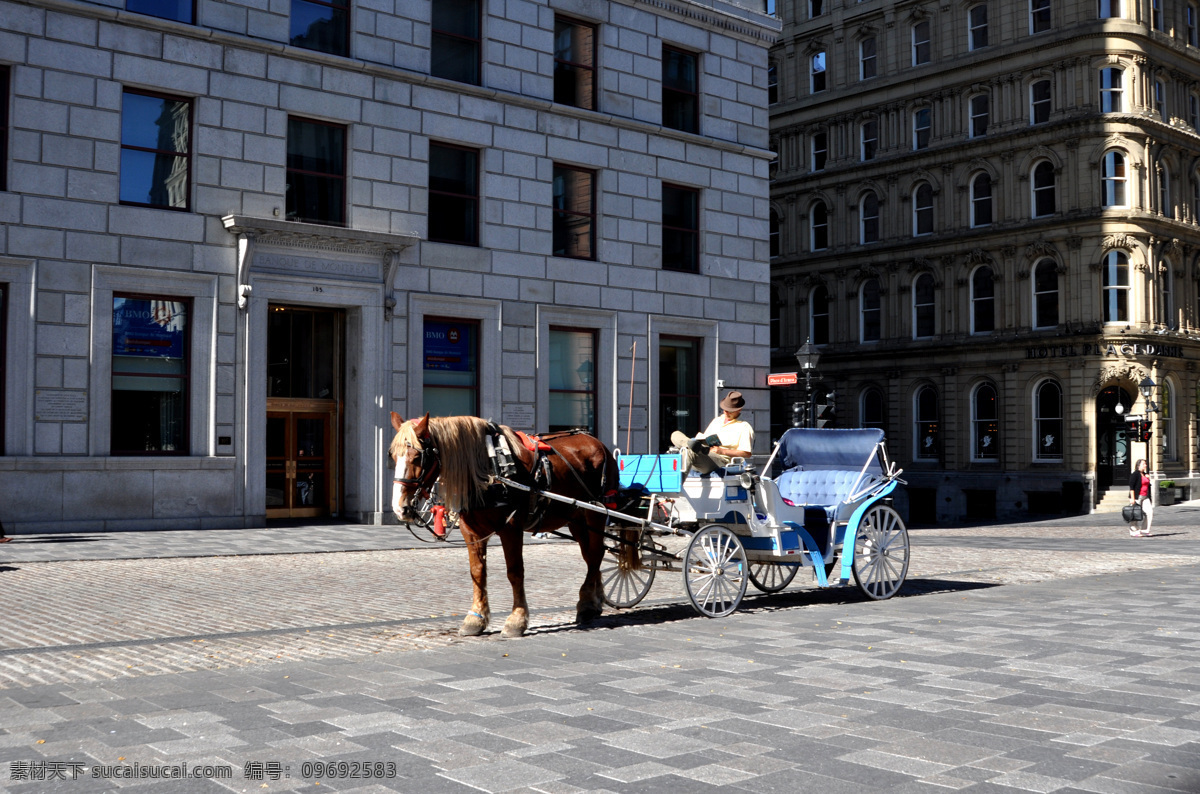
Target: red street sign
<point>782,379</point>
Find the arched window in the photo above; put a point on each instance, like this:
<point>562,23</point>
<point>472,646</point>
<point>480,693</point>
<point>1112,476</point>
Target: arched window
<point>873,411</point>
<point>979,112</point>
<point>818,226</point>
<point>1039,102</point>
<point>983,301</point>
<point>922,125</point>
<point>816,82</point>
<point>1165,207</point>
<point>1166,397</point>
<point>773,234</point>
<point>926,436</point>
<point>981,200</point>
<point>1115,272</point>
<point>1047,421</point>
<point>868,218</point>
<point>924,307</point>
<point>1039,16</point>
<point>985,423</point>
<point>772,83</point>
<point>977,26</point>
<point>922,202</point>
<point>871,311</point>
<point>1110,9</point>
<point>1113,178</point>
<point>1112,87</point>
<point>818,315</point>
<point>1043,189</point>
<point>1045,294</point>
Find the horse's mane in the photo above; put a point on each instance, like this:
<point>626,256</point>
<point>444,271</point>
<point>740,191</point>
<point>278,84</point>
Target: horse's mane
<point>466,469</point>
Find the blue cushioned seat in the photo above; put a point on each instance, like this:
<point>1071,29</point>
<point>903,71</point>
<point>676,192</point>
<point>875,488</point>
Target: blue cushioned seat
<point>827,488</point>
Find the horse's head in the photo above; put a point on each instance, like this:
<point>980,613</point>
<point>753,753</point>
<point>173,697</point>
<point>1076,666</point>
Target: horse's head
<point>417,464</point>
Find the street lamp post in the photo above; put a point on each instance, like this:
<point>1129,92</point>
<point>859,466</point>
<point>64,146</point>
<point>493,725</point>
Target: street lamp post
<point>1146,387</point>
<point>808,356</point>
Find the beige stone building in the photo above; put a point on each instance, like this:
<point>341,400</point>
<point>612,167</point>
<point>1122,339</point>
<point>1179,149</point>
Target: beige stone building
<point>986,215</point>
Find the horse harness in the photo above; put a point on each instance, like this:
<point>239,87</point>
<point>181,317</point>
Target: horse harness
<point>539,478</point>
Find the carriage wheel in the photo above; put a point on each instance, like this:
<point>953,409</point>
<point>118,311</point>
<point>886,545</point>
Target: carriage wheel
<point>715,571</point>
<point>623,585</point>
<point>880,553</point>
<point>772,577</point>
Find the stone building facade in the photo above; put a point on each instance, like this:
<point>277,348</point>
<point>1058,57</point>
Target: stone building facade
<point>236,235</point>
<point>986,216</point>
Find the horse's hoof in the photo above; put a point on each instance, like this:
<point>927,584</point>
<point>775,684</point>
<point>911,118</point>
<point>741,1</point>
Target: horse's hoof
<point>471,627</point>
<point>512,630</point>
<point>587,615</point>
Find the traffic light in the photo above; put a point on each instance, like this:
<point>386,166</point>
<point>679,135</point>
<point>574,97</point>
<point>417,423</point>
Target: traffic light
<point>1144,428</point>
<point>797,414</point>
<point>825,411</point>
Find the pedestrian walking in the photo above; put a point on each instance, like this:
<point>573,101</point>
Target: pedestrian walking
<point>1139,493</point>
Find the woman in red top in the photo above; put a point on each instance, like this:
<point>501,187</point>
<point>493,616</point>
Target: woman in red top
<point>1139,493</point>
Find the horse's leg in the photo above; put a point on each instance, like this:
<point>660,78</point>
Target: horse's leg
<point>476,621</point>
<point>588,533</point>
<point>512,541</point>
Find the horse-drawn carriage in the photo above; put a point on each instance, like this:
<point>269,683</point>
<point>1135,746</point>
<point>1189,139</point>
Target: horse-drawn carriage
<point>827,509</point>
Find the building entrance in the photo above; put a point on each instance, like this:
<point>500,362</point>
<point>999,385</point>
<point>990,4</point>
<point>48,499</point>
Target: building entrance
<point>1112,438</point>
<point>304,411</point>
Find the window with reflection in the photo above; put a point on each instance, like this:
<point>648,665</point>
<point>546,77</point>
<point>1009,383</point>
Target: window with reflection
<point>1110,9</point>
<point>572,379</point>
<point>450,376</point>
<point>924,307</point>
<point>321,25</point>
<point>179,10</point>
<point>1165,206</point>
<point>820,149</point>
<point>985,421</point>
<point>1048,421</point>
<point>977,26</point>
<point>980,114</point>
<point>574,63</point>
<point>1045,294</point>
<point>983,301</point>
<point>1190,24</point>
<point>678,387</point>
<point>868,137</point>
<point>156,150</point>
<point>1039,102</point>
<point>1166,419</point>
<point>866,58</point>
<point>921,48</point>
<point>150,354</point>
<point>1039,16</point>
<point>680,90</point>
<point>1166,295</point>
<point>453,194</point>
<point>1113,178</point>
<point>870,311</point>
<point>1112,89</point>
<point>1160,100</point>
<point>816,73</point>
<point>574,207</point>
<point>316,172</point>
<point>1115,287</point>
<point>927,440</point>
<point>680,228</point>
<point>772,83</point>
<point>922,127</point>
<point>455,41</point>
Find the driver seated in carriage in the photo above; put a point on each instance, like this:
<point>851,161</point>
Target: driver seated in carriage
<point>726,437</point>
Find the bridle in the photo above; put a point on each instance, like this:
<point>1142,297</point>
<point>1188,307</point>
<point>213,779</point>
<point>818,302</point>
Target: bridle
<point>430,462</point>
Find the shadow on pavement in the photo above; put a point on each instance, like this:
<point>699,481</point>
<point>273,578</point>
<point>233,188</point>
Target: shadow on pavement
<point>61,539</point>
<point>6,568</point>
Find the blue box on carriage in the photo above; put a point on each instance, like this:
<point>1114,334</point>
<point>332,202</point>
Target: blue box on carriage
<point>657,473</point>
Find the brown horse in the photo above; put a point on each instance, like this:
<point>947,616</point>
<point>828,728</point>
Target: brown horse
<point>454,450</point>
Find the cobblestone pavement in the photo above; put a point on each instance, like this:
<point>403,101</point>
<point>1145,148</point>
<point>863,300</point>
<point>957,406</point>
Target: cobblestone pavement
<point>1079,675</point>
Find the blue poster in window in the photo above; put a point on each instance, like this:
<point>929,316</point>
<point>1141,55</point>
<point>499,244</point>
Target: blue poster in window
<point>148,328</point>
<point>448,346</point>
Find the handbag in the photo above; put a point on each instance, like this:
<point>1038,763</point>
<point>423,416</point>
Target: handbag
<point>1132,513</point>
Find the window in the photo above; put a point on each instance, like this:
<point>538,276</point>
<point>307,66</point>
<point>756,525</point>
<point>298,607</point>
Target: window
<point>1160,99</point>
<point>922,201</point>
<point>776,318</point>
<point>818,318</point>
<point>1043,189</point>
<point>985,440</point>
<point>1039,102</point>
<point>868,139</point>
<point>921,47</point>
<point>156,150</point>
<point>1166,296</point>
<point>5,75</point>
<point>150,394</point>
<point>981,200</point>
<point>870,311</point>
<point>977,27</point>
<point>868,218</point>
<point>874,413</point>
<point>772,83</point>
<point>1166,420</point>
<point>453,194</point>
<point>1112,180</point>
<point>1115,284</point>
<point>1047,421</point>
<point>1039,16</point>
<point>1111,89</point>
<point>455,40</point>
<point>1194,112</point>
<point>815,8</point>
<point>1190,24</point>
<point>574,213</point>
<point>1045,294</point>
<point>773,234</point>
<point>924,307</point>
<point>926,436</point>
<point>574,63</point>
<point>680,228</point>
<point>179,10</point>
<point>680,90</point>
<point>818,224</point>
<point>450,376</point>
<point>979,109</point>
<point>1110,9</point>
<point>321,25</point>
<point>922,123</point>
<point>678,387</point>
<point>572,379</point>
<point>866,58</point>
<point>820,149</point>
<point>1196,200</point>
<point>817,73</point>
<point>1165,207</point>
<point>1156,15</point>
<point>316,172</point>
<point>983,301</point>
